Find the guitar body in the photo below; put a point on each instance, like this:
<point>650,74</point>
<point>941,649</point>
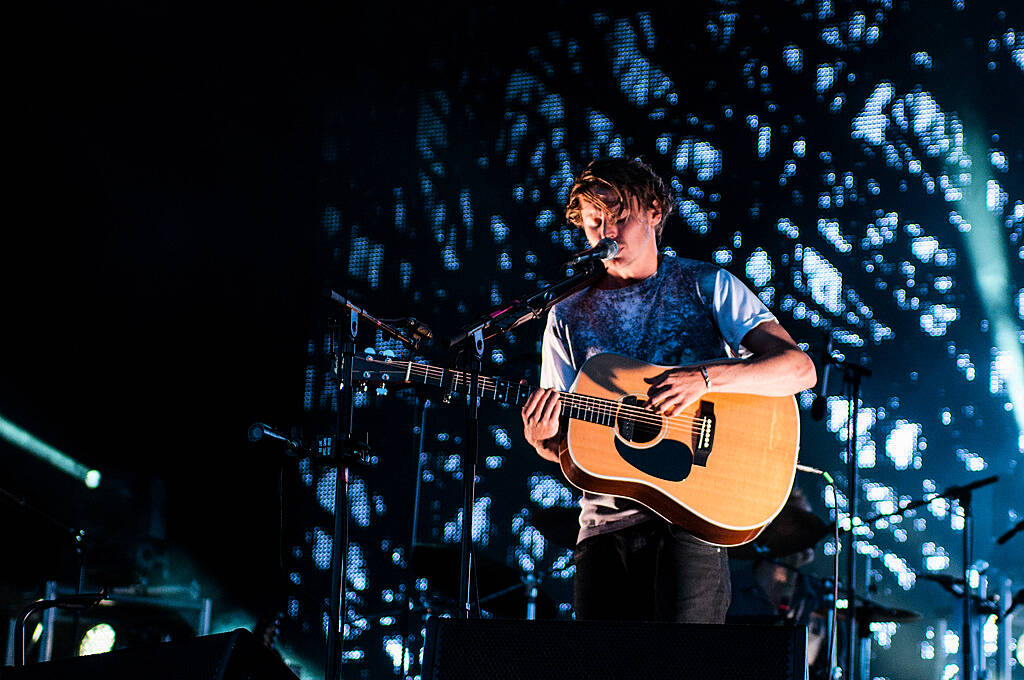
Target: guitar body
<point>722,470</point>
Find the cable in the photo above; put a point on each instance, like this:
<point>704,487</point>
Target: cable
<point>475,576</point>
<point>834,628</point>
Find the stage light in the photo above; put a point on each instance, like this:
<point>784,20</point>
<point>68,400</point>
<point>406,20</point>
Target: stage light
<point>97,640</point>
<point>43,451</point>
<point>984,241</point>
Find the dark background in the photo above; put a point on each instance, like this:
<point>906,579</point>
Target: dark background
<point>159,268</point>
<point>161,253</point>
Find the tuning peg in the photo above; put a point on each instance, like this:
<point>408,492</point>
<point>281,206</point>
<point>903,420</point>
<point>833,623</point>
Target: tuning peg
<point>389,353</point>
<point>382,391</point>
<point>370,350</point>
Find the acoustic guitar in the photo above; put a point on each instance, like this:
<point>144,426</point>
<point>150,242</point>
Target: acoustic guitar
<point>722,469</point>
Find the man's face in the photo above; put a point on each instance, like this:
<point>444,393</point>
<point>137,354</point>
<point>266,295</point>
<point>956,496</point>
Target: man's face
<point>635,234</point>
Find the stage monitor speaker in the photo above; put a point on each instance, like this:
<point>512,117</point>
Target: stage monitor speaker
<point>227,656</point>
<point>584,650</point>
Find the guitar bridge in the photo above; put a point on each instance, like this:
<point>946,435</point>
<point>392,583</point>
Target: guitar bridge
<point>704,434</point>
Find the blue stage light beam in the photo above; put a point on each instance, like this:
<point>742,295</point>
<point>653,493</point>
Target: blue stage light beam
<point>981,207</point>
<point>43,451</point>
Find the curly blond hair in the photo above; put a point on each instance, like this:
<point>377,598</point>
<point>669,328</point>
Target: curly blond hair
<point>623,178</point>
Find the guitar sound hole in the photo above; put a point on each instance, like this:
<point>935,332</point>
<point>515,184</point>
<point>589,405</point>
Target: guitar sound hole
<point>637,428</point>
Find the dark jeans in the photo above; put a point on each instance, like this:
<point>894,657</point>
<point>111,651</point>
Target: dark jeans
<point>652,571</point>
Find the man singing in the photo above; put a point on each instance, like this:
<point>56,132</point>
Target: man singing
<point>630,563</point>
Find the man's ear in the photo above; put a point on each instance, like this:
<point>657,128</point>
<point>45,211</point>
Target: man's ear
<point>654,212</point>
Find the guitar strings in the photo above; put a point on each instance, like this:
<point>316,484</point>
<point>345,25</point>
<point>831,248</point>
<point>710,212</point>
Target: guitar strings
<point>594,404</point>
<point>597,405</point>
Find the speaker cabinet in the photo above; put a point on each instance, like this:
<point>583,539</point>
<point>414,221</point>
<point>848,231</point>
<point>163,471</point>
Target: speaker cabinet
<point>227,656</point>
<point>584,650</point>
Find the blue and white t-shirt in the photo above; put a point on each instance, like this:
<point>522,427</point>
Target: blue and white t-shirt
<point>687,312</point>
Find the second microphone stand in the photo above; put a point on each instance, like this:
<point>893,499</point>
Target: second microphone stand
<point>852,374</point>
<point>497,322</point>
<point>963,496</point>
<point>346,452</point>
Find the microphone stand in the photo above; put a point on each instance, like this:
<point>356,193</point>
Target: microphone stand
<point>508,317</point>
<point>852,374</point>
<point>950,493</point>
<point>474,361</point>
<point>963,495</point>
<point>77,603</point>
<point>345,451</point>
<point>78,539</point>
<point>408,608</point>
<point>496,322</point>
<point>77,536</point>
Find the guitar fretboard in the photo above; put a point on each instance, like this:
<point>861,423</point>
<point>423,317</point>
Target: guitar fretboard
<point>578,406</point>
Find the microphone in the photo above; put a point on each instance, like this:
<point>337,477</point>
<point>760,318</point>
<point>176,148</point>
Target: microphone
<point>1017,599</point>
<point>957,491</point>
<point>258,431</point>
<point>951,583</point>
<point>818,405</point>
<point>1011,533</point>
<point>605,249</point>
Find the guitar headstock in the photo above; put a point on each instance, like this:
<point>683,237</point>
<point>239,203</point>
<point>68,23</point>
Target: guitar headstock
<point>378,370</point>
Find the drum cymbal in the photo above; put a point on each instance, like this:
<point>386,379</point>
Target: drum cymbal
<point>875,612</point>
<point>869,612</point>
<point>793,530</point>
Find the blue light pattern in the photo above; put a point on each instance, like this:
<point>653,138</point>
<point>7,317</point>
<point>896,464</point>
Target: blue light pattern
<point>855,232</point>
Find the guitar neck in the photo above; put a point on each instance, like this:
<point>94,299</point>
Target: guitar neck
<point>578,406</point>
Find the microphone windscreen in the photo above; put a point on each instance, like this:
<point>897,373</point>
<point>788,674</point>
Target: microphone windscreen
<point>611,248</point>
<point>255,432</point>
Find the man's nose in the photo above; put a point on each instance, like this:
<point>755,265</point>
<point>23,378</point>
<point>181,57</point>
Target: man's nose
<point>609,230</point>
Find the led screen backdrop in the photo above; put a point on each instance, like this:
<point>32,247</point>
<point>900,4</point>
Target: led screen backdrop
<point>858,164</point>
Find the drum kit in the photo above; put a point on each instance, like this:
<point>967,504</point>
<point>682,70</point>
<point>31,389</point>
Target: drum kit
<point>770,586</point>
